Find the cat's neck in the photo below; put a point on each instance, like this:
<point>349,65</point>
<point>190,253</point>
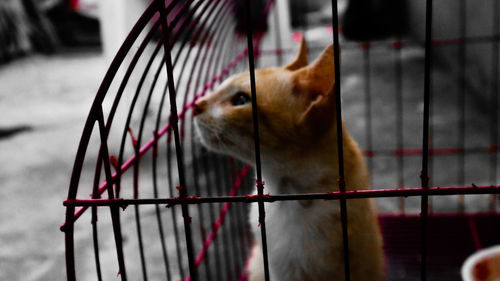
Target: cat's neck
<point>295,178</point>
<point>313,170</point>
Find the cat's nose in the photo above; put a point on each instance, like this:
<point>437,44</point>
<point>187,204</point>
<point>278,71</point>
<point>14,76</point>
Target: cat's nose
<point>198,108</point>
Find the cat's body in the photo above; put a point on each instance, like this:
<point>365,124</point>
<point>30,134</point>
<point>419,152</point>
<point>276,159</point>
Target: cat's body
<point>297,126</point>
<point>305,238</point>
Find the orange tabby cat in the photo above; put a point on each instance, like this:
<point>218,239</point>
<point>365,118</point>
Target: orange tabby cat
<point>297,125</point>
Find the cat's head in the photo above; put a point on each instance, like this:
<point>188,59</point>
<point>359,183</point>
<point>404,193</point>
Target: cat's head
<point>296,109</point>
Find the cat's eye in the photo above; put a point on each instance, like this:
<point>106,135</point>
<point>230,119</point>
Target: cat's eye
<point>240,98</point>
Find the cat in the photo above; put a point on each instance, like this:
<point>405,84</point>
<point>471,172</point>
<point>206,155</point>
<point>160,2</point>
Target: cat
<point>297,126</point>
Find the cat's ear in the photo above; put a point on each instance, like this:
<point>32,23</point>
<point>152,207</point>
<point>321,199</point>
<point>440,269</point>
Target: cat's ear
<point>301,59</point>
<point>322,71</point>
<point>318,78</point>
<point>318,85</point>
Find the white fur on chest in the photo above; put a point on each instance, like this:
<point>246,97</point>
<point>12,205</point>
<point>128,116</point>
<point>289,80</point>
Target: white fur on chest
<point>296,234</point>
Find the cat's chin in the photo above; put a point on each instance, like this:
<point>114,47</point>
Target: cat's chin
<point>215,144</point>
<point>203,137</point>
<point>210,139</point>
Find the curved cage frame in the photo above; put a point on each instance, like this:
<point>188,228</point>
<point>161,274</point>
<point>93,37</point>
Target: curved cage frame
<point>201,31</point>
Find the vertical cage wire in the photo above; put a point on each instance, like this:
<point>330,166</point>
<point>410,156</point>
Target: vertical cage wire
<point>258,169</point>
<point>340,147</point>
<point>398,91</point>
<point>425,141</point>
<point>494,101</point>
<point>461,104</point>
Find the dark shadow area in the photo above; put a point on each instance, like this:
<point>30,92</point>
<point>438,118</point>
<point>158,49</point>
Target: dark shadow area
<point>366,20</point>
<point>12,131</point>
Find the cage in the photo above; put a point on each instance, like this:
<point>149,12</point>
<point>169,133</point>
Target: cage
<point>178,211</point>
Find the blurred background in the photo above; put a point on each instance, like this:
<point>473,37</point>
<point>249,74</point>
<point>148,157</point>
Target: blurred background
<point>55,53</point>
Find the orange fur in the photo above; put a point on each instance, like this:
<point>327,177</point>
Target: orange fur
<point>297,126</point>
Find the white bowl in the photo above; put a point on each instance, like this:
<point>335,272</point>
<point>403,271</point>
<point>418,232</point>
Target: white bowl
<point>483,265</point>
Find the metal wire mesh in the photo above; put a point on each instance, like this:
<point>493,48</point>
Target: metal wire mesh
<point>134,152</point>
